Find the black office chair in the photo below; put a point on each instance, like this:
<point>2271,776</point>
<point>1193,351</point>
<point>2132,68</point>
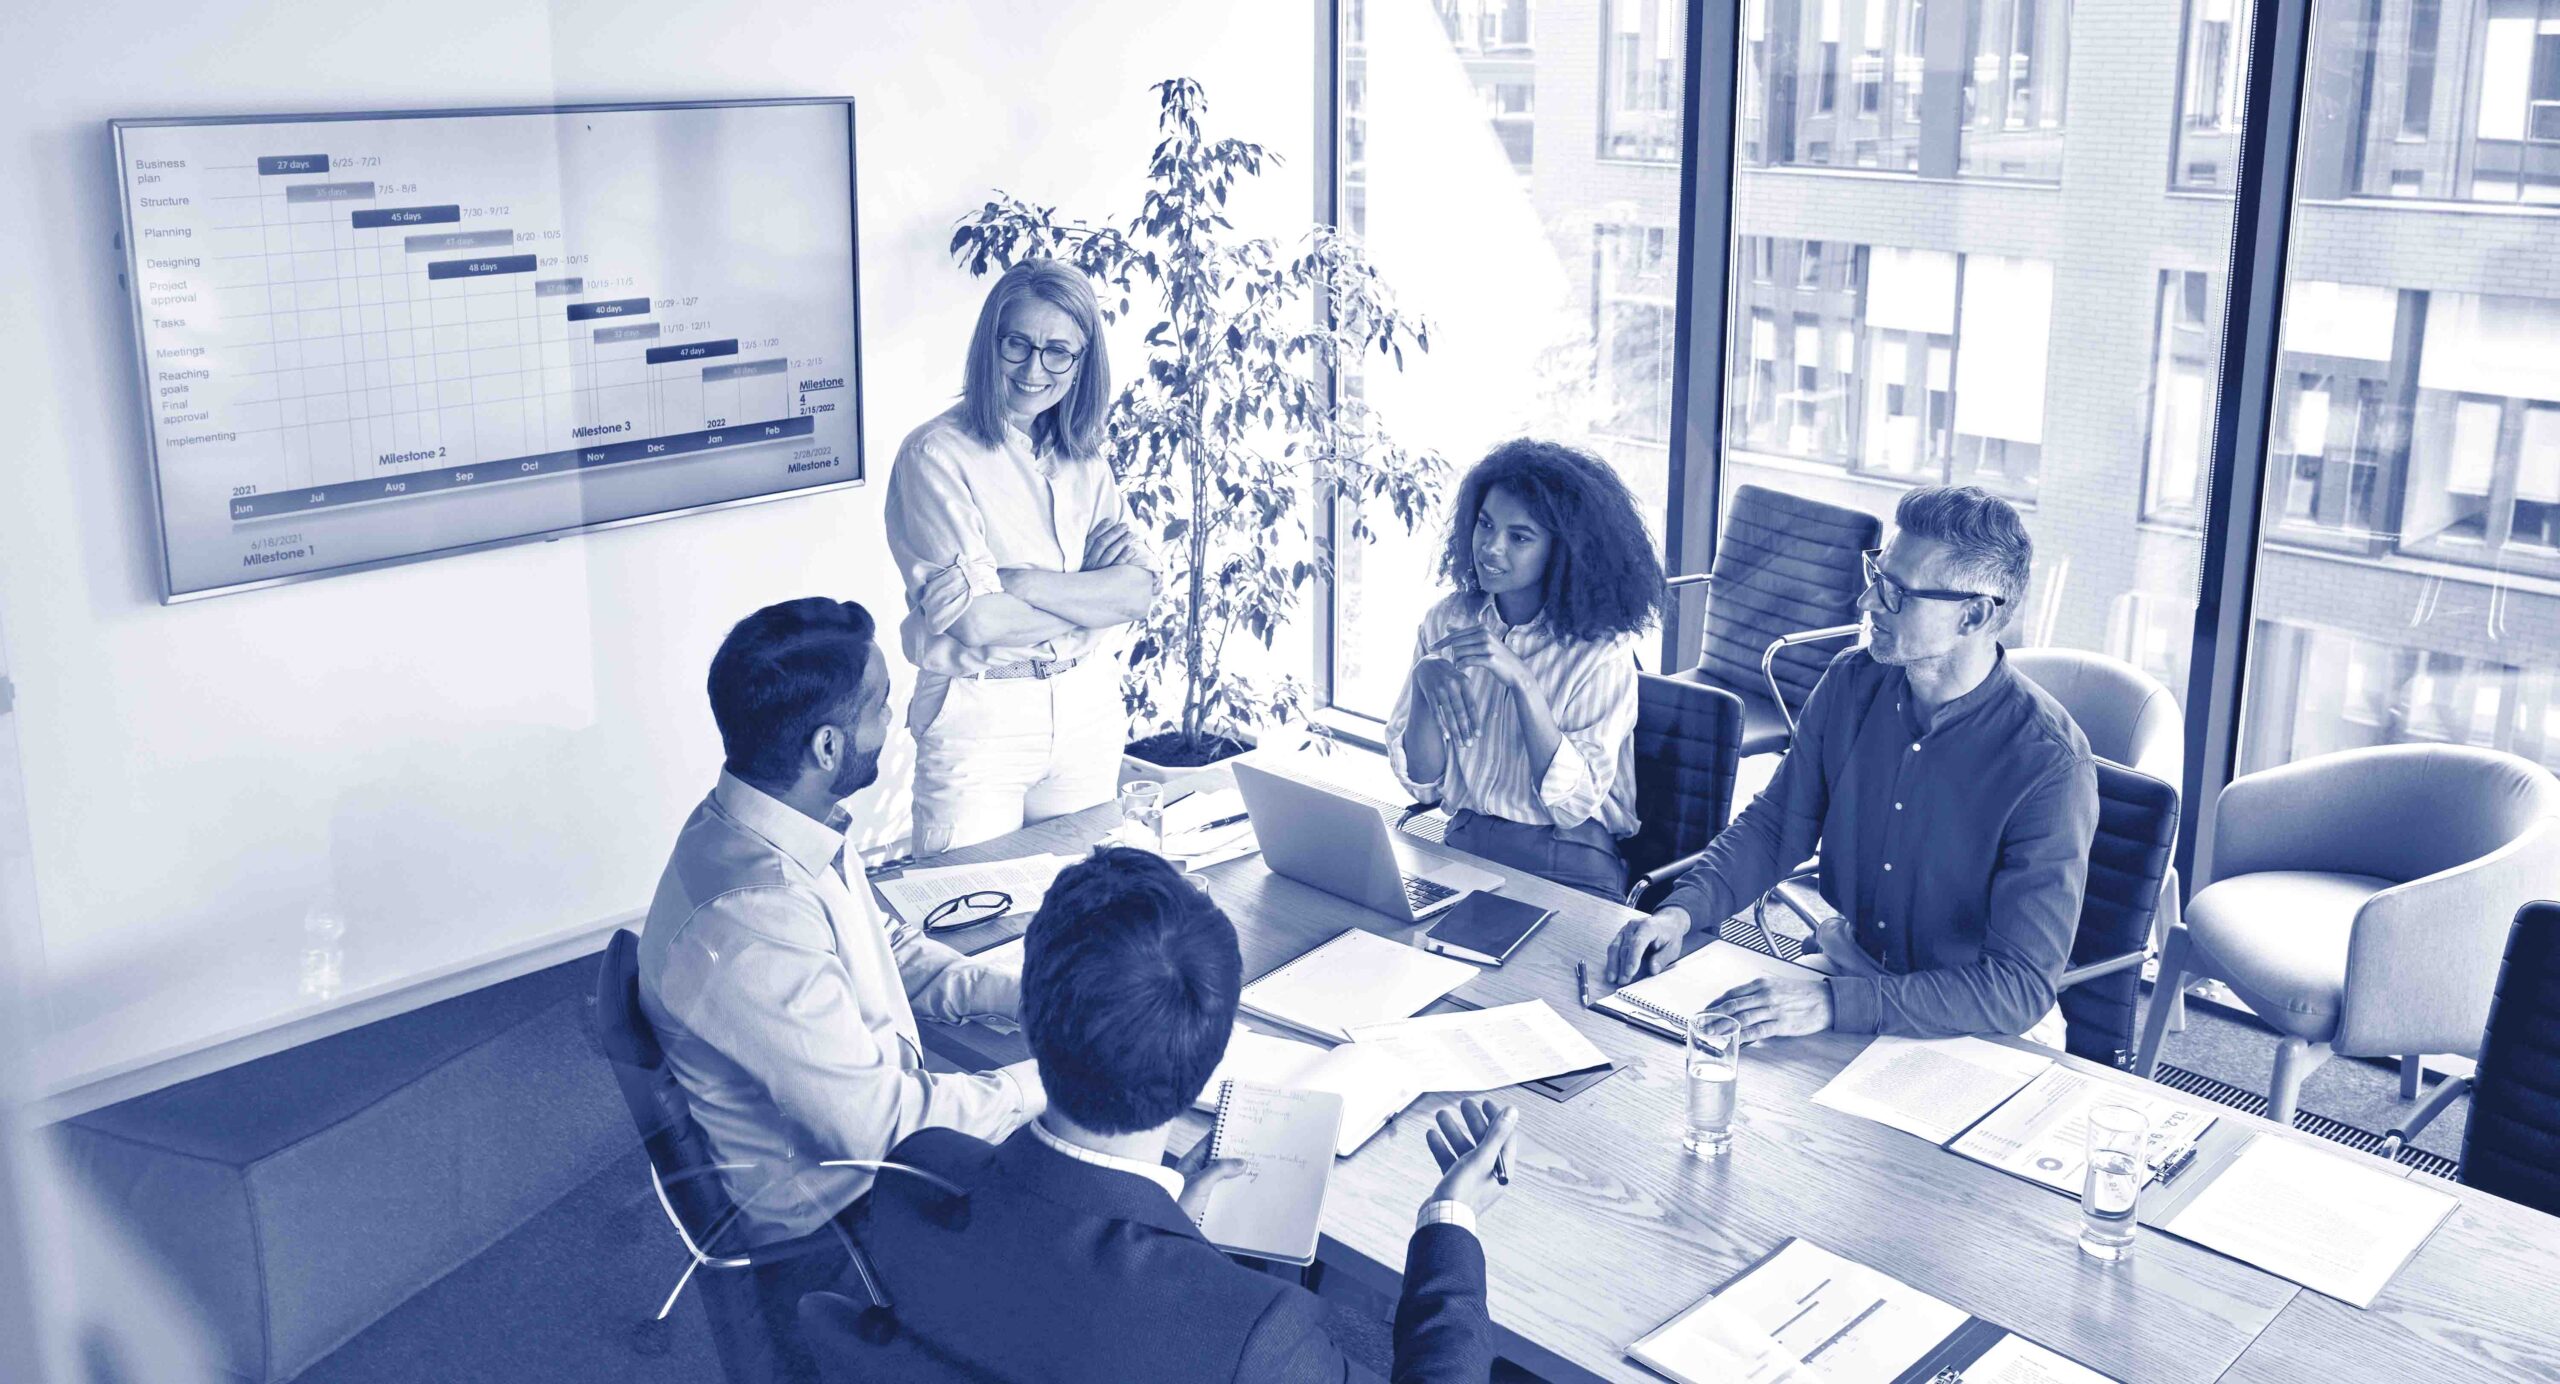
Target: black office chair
<point>1786,581</point>
<point>1688,748</point>
<point>2511,1146</point>
<point>749,1293</point>
<point>2128,862</point>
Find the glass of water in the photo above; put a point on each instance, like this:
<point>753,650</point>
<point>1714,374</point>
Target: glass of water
<point>1715,1064</point>
<point>1142,807</point>
<point>2113,1181</point>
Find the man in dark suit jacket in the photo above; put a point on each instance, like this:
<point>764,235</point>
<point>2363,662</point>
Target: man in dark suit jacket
<point>1068,1252</point>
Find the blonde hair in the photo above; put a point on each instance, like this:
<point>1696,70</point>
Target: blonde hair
<point>1074,425</point>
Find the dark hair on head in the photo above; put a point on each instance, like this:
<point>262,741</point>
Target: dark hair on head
<point>1602,577</point>
<point>1129,980</point>
<point>783,672</point>
<point>1983,532</point>
<point>1073,425</point>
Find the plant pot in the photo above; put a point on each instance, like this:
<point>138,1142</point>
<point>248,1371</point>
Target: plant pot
<point>1164,753</point>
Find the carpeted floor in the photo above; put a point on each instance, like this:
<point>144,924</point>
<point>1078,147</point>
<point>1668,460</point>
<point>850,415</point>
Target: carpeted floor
<point>566,1298</point>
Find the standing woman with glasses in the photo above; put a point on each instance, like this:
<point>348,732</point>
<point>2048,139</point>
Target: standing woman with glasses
<point>1020,565</point>
<point>1519,715</point>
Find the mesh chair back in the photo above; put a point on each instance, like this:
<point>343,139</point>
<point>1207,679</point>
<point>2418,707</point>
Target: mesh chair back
<point>2511,1146</point>
<point>1785,564</point>
<point>1688,747</point>
<point>2137,832</point>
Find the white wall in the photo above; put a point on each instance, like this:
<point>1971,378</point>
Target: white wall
<point>474,754</point>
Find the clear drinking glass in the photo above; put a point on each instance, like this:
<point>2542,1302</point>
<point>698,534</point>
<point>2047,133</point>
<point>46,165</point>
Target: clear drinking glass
<point>1142,806</point>
<point>1715,1066</point>
<point>2113,1181</point>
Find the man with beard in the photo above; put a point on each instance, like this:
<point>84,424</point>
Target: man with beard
<point>785,1003</point>
<point>1953,801</point>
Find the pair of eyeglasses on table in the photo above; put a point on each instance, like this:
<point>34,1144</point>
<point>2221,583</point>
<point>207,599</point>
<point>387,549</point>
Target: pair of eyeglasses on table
<point>968,910</point>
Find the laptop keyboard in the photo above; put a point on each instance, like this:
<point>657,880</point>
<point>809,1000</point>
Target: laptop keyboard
<point>1420,894</point>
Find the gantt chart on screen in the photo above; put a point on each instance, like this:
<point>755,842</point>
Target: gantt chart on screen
<point>384,337</point>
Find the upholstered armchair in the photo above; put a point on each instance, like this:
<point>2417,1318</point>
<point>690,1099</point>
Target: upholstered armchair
<point>2359,902</point>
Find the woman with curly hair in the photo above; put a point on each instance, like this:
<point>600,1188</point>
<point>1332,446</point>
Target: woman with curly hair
<point>1519,715</point>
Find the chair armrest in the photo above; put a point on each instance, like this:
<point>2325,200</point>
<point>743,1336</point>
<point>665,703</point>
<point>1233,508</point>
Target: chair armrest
<point>2074,975</point>
<point>1769,662</point>
<point>1668,872</point>
<point>2422,957</point>
<point>2447,1092</point>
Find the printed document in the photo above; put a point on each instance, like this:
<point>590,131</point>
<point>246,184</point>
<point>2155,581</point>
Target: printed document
<point>1932,1087</point>
<point>2041,1133</point>
<point>1481,1049</point>
<point>2334,1225</point>
<point>1373,1089</point>
<point>1357,978</point>
<point>1804,1314</point>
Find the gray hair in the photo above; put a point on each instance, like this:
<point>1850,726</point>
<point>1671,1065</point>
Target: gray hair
<point>1984,533</point>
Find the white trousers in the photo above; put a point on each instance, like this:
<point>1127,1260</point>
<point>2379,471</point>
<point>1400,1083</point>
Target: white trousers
<point>995,755</point>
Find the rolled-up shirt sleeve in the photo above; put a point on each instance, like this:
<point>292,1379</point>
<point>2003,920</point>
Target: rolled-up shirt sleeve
<point>1423,790</point>
<point>1596,716</point>
<point>2034,901</point>
<point>756,975</point>
<point>937,534</point>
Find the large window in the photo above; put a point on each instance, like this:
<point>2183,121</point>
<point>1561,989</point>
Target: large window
<point>2408,582</point>
<point>1515,174</point>
<point>2212,83</point>
<point>1972,88</point>
<point>1893,332</point>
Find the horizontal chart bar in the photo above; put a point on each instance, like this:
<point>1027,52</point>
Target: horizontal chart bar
<point>456,240</point>
<point>377,218</point>
<point>558,288</point>
<point>609,307</point>
<point>636,331</point>
<point>480,268</point>
<point>274,164</point>
<point>517,468</point>
<point>745,369</point>
<point>328,192</point>
<point>692,350</point>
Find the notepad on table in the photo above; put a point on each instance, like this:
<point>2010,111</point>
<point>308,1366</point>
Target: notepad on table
<point>1665,1002</point>
<point>1274,1207</point>
<point>1357,978</point>
<point>1484,928</point>
<point>1373,1088</point>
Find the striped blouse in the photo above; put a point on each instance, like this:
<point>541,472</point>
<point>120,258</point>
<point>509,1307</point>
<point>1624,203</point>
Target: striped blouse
<point>1591,687</point>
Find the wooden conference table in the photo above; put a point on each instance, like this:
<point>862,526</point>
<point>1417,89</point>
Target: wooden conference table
<point>1609,1228</point>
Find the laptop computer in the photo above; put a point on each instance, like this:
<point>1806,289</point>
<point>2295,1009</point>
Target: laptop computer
<point>1329,841</point>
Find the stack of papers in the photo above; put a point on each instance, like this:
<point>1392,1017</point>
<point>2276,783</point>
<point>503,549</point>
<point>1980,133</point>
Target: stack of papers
<point>1357,978</point>
<point>917,893</point>
<point>1481,1049</point>
<point>1934,1087</point>
<point>1372,1088</point>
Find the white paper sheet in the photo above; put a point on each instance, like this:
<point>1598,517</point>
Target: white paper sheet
<point>1481,1049</point>
<point>1356,978</point>
<point>2016,1360</point>
<point>2332,1224</point>
<point>1930,1087</point>
<point>2041,1133</point>
<point>1831,1319</point>
<point>1193,811</point>
<point>1027,878</point>
<point>1694,982</point>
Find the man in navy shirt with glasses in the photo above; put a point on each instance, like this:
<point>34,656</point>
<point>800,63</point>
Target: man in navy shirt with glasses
<point>1952,801</point>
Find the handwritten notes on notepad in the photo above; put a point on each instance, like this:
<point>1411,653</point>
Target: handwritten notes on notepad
<point>1373,1088</point>
<point>1273,1208</point>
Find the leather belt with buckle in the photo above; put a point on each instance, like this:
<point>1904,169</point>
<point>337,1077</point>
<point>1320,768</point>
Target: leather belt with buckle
<point>1029,668</point>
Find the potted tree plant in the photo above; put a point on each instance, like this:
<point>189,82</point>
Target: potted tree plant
<point>1235,430</point>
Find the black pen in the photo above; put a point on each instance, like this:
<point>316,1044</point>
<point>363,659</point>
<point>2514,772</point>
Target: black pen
<point>1223,822</point>
<point>1582,982</point>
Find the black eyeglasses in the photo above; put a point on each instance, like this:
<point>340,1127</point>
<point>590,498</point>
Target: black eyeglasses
<point>1054,358</point>
<point>968,909</point>
<point>1893,593</point>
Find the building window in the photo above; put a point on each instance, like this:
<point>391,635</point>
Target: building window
<point>1843,84</point>
<point>1640,81</point>
<point>1635,330</point>
<point>2418,79</point>
<point>2182,368</point>
<point>2014,88</point>
<point>2211,90</point>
